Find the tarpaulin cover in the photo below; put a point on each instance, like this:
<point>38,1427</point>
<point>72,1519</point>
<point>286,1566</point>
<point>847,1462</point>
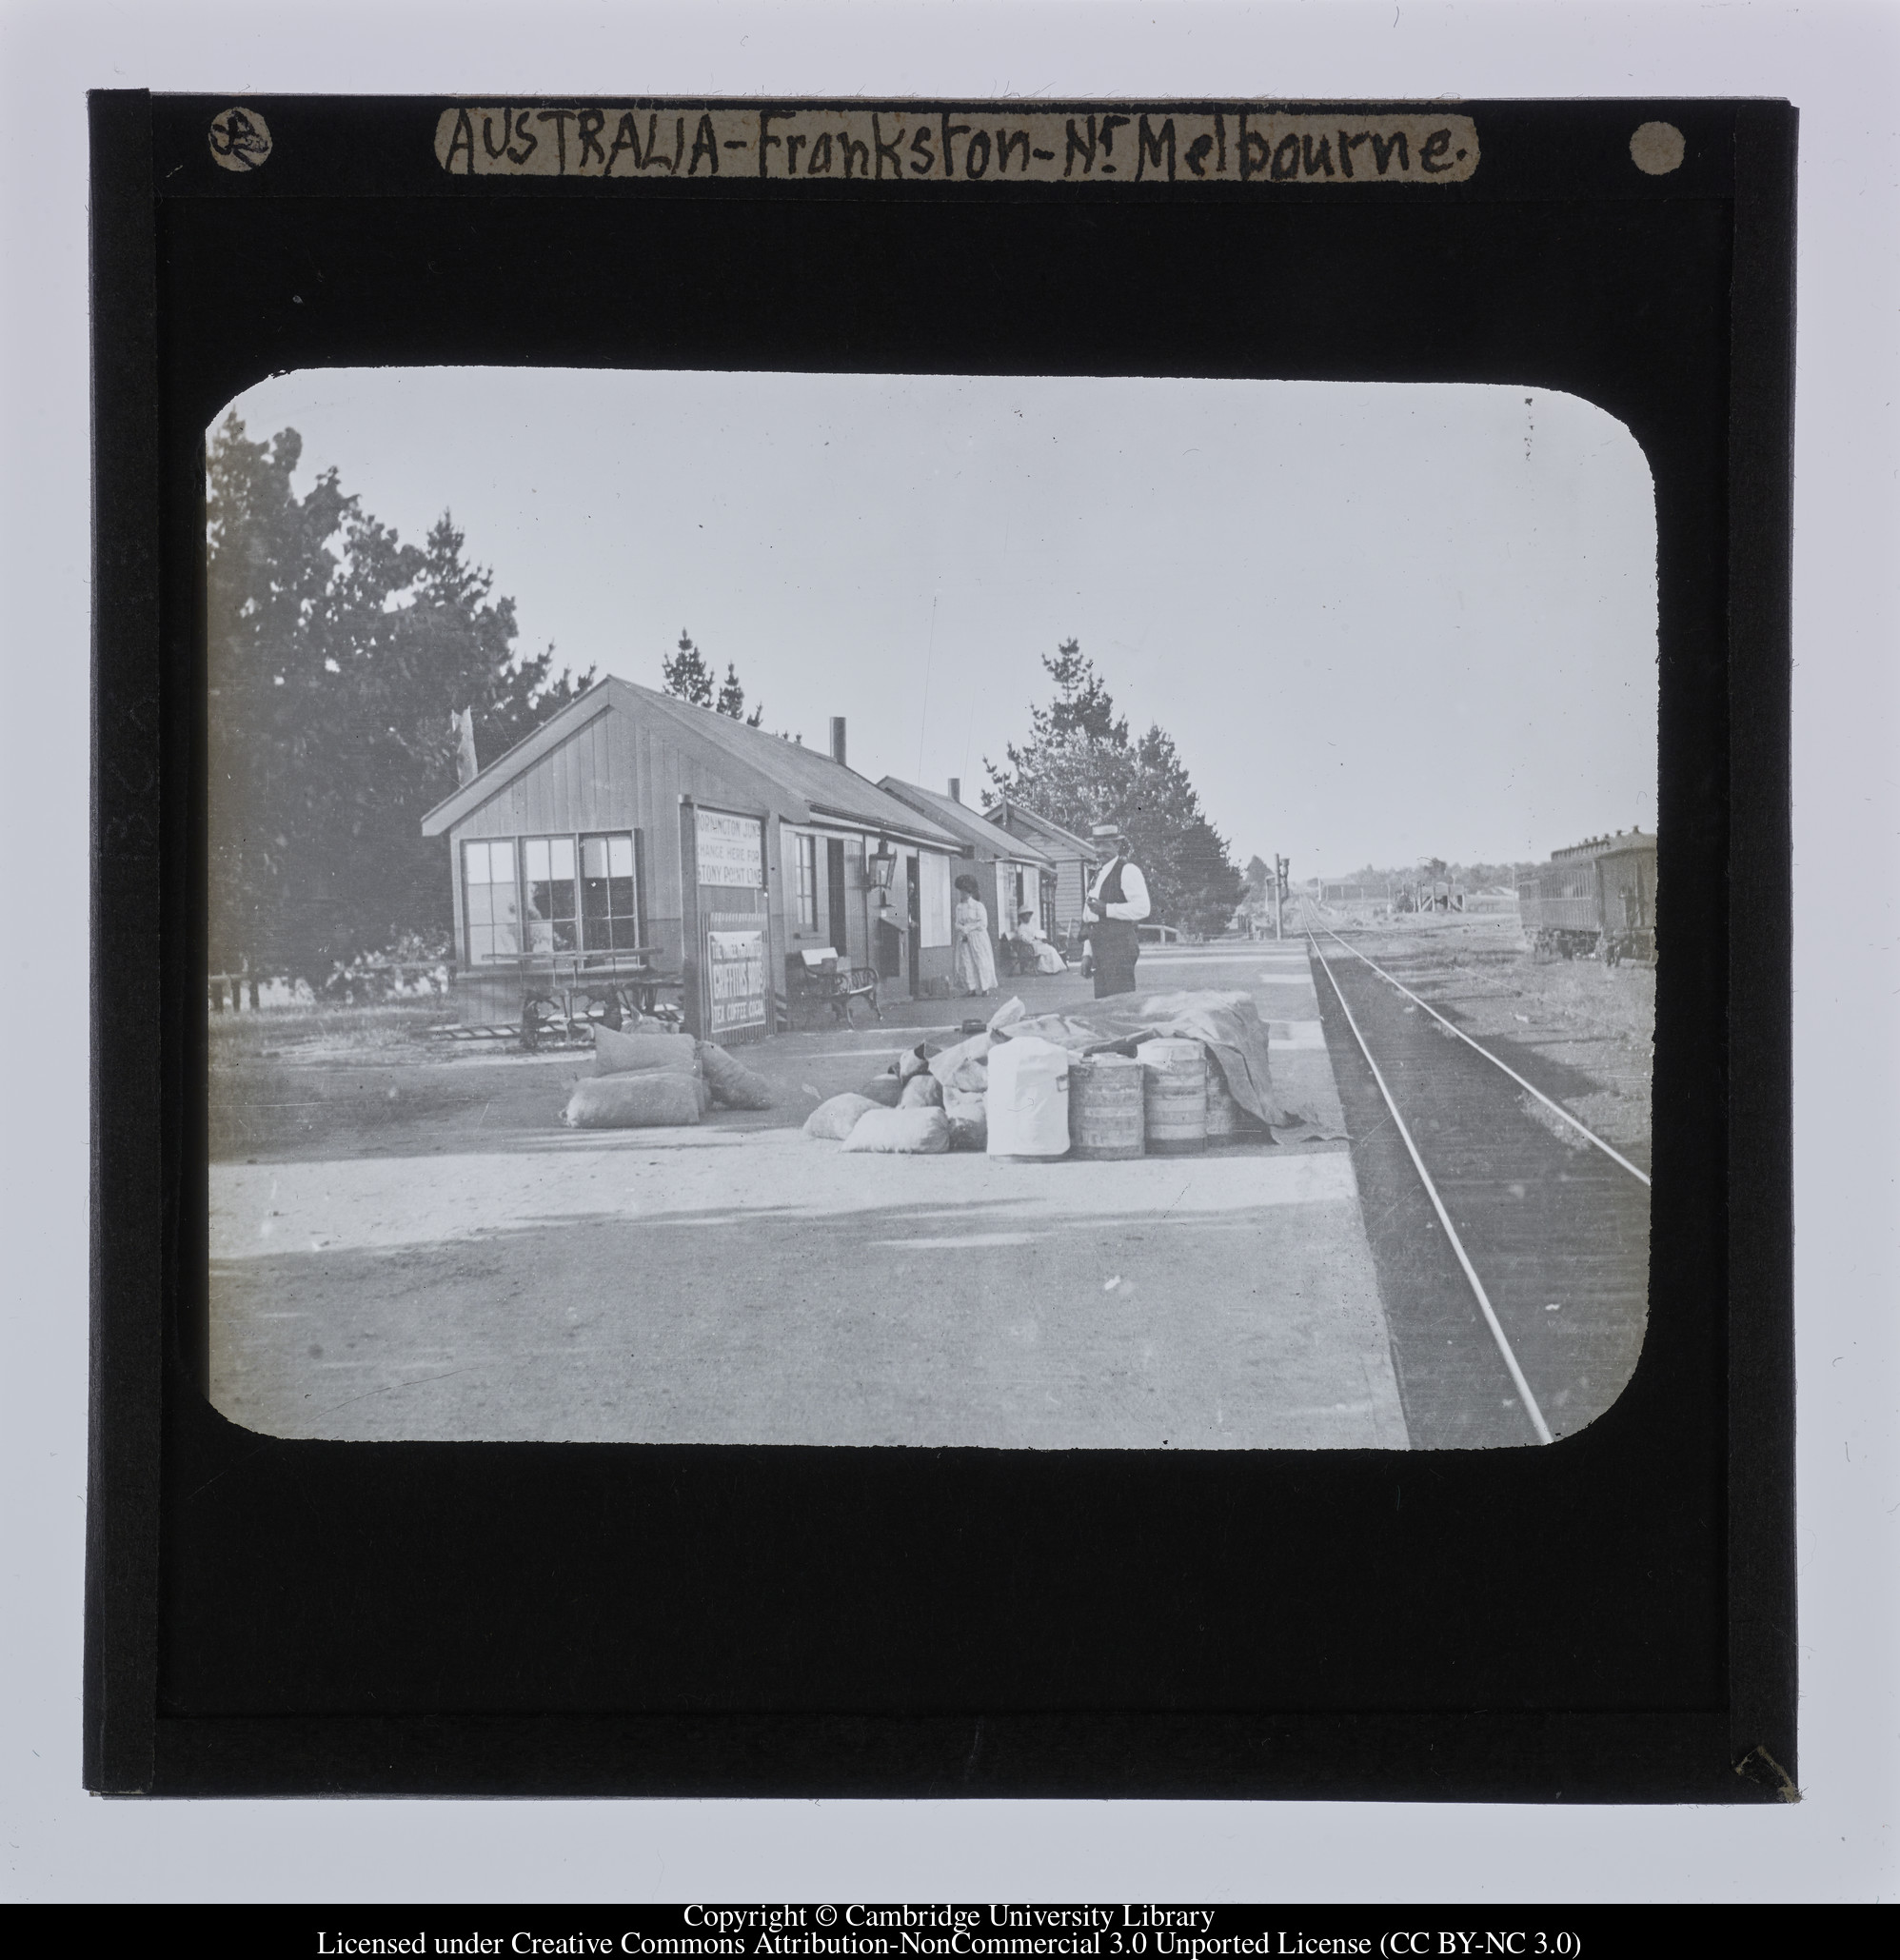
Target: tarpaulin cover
<point>1228,1027</point>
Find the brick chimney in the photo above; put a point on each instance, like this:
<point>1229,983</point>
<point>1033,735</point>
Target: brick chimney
<point>956,790</point>
<point>837,737</point>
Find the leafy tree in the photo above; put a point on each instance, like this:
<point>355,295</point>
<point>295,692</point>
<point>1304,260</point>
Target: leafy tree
<point>685,675</point>
<point>1078,767</point>
<point>1258,876</point>
<point>337,656</point>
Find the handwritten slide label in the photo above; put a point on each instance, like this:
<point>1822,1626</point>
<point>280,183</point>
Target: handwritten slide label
<point>926,143</point>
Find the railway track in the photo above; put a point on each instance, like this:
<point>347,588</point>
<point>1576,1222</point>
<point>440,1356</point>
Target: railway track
<point>1511,1240</point>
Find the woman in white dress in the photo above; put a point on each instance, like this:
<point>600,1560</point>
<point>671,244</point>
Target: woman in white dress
<point>970,928</point>
<point>1029,930</point>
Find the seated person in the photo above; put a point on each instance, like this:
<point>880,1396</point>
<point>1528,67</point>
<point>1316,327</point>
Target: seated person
<point>1034,952</point>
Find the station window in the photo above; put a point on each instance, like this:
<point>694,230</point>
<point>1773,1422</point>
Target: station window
<point>807,856</point>
<point>547,873</point>
<point>610,897</point>
<point>491,900</point>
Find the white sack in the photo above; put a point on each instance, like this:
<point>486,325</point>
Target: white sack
<point>900,1132</point>
<point>617,1054</point>
<point>637,1099</point>
<point>733,1084</point>
<point>969,1123</point>
<point>946,1065</point>
<point>831,1122</point>
<point>1026,1103</point>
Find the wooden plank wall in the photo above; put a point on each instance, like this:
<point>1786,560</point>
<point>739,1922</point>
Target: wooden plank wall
<point>619,772</point>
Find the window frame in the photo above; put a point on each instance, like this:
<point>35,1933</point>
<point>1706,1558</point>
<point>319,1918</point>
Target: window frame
<point>627,923</point>
<point>555,921</point>
<point>490,925</point>
<point>804,880</point>
<point>630,877</point>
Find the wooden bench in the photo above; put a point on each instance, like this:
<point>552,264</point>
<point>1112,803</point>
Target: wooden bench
<point>828,982</point>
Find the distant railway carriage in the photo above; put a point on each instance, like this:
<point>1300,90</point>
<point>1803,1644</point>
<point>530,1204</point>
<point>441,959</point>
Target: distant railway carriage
<point>1596,896</point>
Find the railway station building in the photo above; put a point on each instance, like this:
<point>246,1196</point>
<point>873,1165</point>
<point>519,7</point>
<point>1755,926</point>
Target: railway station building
<point>1013,875</point>
<point>632,825</point>
<point>1072,858</point>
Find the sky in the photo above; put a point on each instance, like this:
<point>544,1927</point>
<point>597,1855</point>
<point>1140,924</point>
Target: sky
<point>1381,621</point>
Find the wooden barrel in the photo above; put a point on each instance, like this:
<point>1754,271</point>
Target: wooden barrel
<point>1225,1117</point>
<point>1105,1109</point>
<point>1174,1097</point>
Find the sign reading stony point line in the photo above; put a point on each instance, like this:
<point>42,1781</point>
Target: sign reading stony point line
<point>730,850</point>
<point>971,143</point>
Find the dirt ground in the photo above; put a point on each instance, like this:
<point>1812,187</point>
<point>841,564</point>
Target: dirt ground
<point>1597,1021</point>
<point>407,1243</point>
<point>415,1247</point>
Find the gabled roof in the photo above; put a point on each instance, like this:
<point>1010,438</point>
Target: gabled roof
<point>805,783</point>
<point>963,822</point>
<point>1008,809</point>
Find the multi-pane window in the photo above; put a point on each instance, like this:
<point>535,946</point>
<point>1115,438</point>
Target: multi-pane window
<point>807,867</point>
<point>550,895</point>
<point>547,871</point>
<point>488,888</point>
<point>609,902</point>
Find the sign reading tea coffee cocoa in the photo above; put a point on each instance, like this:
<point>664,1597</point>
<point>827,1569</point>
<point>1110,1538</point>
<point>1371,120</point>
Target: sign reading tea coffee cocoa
<point>736,981</point>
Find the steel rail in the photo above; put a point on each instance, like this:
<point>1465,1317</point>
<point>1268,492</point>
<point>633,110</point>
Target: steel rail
<point>1556,1108</point>
<point>1523,1387</point>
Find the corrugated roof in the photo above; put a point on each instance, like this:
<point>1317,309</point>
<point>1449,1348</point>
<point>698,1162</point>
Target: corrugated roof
<point>1008,807</point>
<point>827,787</point>
<point>807,780</point>
<point>961,822</point>
<point>1604,847</point>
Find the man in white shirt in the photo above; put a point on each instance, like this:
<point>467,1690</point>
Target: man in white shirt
<point>1118,901</point>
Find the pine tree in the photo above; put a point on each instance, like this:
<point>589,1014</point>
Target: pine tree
<point>732,700</point>
<point>1079,769</point>
<point>686,674</point>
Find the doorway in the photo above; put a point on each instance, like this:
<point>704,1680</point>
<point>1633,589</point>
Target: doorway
<point>833,896</point>
<point>913,879</point>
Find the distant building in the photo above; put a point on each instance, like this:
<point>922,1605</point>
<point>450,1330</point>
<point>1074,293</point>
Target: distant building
<point>1073,859</point>
<point>634,820</point>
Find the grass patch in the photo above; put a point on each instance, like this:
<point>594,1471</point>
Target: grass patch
<point>394,1030</point>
